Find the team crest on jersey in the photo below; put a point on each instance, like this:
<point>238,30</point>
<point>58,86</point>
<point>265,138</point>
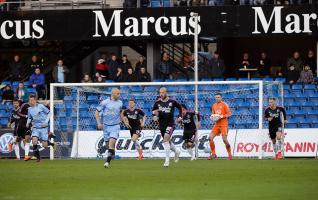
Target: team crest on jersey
<point>136,112</point>
<point>170,104</point>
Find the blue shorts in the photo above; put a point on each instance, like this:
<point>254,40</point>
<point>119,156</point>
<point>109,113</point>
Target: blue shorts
<point>111,132</point>
<point>40,133</point>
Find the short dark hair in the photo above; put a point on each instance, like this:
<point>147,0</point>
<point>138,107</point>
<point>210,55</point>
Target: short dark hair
<point>125,55</point>
<point>272,98</point>
<point>184,106</point>
<point>218,94</point>
<point>132,99</point>
<point>33,96</point>
<point>216,52</point>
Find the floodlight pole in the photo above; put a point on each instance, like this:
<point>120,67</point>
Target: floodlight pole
<point>196,78</point>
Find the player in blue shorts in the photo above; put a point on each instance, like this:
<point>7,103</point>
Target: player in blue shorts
<point>110,110</point>
<point>38,119</point>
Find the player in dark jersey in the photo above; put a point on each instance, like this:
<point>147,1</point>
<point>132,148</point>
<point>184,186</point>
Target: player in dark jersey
<point>19,118</point>
<point>190,125</point>
<point>134,119</point>
<point>274,114</point>
<point>163,111</point>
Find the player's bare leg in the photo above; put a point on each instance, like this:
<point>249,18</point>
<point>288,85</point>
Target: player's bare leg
<point>212,147</point>
<point>111,152</point>
<point>227,146</point>
<point>134,138</point>
<point>26,141</point>
<point>279,145</point>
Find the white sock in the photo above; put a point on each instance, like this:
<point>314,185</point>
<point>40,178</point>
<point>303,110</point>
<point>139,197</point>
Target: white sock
<point>137,145</point>
<point>167,149</point>
<point>190,151</point>
<point>17,150</point>
<point>172,147</point>
<point>275,148</point>
<point>26,148</point>
<point>279,145</point>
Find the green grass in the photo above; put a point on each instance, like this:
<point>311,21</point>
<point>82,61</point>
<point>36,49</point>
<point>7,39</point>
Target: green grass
<point>147,179</point>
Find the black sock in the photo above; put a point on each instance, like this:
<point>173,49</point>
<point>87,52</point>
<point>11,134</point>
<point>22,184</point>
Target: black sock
<point>36,151</point>
<point>111,153</point>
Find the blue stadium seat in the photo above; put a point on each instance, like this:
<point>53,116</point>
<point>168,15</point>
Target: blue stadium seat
<point>230,79</point>
<point>218,79</point>
<point>268,79</point>
<point>155,3</point>
<point>68,98</point>
<point>296,87</point>
<point>256,79</point>
<point>243,79</point>
<point>92,99</point>
<point>310,87</point>
<point>6,83</point>
<point>291,125</point>
<point>31,90</point>
<point>279,79</point>
<point>313,112</point>
<point>300,112</point>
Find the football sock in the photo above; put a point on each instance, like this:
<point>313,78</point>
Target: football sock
<point>167,149</point>
<point>190,151</point>
<point>172,147</point>
<point>137,145</point>
<point>212,147</point>
<point>228,149</point>
<point>17,150</point>
<point>275,148</point>
<point>110,154</point>
<point>27,149</point>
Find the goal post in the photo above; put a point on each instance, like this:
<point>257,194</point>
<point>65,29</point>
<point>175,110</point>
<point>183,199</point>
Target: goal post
<point>73,107</point>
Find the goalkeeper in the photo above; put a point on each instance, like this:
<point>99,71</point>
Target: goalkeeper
<point>220,114</point>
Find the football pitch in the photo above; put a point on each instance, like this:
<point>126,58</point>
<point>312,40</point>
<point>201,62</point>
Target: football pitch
<point>147,179</point>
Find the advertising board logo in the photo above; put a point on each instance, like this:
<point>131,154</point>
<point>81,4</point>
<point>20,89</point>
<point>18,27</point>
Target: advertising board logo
<point>4,141</point>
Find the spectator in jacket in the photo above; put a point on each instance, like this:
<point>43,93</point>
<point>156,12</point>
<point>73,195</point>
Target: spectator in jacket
<point>141,63</point>
<point>125,64</point>
<point>102,68</point>
<point>130,75</point>
<point>295,61</point>
<point>216,66</point>
<point>35,63</point>
<point>37,81</point>
<point>7,95</point>
<point>16,68</point>
<point>311,61</point>
<point>112,66</point>
<point>144,76</point>
<point>60,72</point>
<point>306,75</point>
<point>292,75</point>
<point>119,77</point>
<point>22,92</point>
<point>165,67</point>
<point>264,65</point>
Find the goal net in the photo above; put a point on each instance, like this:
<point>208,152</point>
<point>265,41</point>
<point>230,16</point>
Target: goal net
<point>74,105</point>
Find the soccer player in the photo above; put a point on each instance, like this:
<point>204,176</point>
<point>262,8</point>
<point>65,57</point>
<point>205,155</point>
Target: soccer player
<point>38,116</point>
<point>134,119</point>
<point>273,114</point>
<point>19,118</point>
<point>220,114</point>
<point>189,128</point>
<point>163,112</point>
<point>110,110</point>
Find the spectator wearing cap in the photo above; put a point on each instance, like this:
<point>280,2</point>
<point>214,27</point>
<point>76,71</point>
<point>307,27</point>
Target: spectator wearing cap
<point>22,92</point>
<point>102,68</point>
<point>37,81</point>
<point>7,95</point>
<point>60,72</point>
<point>306,75</point>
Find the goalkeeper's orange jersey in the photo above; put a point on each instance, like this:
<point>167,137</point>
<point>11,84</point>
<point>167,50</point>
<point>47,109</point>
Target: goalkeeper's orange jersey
<point>222,109</point>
